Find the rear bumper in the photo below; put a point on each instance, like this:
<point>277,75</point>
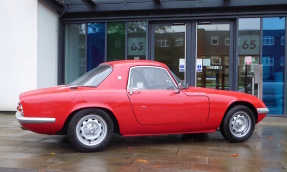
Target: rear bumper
<point>32,120</point>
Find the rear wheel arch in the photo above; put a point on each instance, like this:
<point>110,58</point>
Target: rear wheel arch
<point>72,114</point>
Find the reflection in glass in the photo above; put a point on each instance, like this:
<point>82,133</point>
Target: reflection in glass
<point>137,40</point>
<point>116,41</point>
<point>273,60</point>
<point>213,56</point>
<point>75,60</point>
<point>95,45</point>
<point>170,46</point>
<point>248,52</point>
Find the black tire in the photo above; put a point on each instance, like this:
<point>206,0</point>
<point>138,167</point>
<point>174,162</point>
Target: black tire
<point>221,131</point>
<point>238,124</point>
<point>90,130</point>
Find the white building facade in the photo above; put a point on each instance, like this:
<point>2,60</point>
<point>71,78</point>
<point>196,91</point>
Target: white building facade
<point>28,49</point>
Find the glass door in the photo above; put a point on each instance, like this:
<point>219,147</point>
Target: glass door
<point>168,46</point>
<point>213,54</point>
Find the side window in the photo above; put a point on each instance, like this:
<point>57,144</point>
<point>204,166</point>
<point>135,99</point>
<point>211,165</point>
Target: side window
<point>137,79</point>
<point>150,78</point>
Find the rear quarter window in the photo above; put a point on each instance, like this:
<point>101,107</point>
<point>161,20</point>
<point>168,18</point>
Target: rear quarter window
<point>94,77</point>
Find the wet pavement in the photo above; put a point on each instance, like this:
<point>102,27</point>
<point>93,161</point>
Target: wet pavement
<point>266,151</point>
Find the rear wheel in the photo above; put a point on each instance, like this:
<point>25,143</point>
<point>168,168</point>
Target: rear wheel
<point>238,124</point>
<point>90,130</point>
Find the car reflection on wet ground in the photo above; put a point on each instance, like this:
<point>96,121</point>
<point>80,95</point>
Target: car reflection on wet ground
<point>266,150</point>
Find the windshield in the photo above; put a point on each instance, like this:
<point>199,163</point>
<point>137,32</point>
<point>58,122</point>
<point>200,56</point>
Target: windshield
<point>178,80</point>
<point>94,77</point>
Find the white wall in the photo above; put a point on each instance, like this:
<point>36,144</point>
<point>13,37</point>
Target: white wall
<point>19,49</point>
<point>47,46</point>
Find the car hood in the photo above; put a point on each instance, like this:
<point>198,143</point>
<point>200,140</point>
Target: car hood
<point>232,94</point>
<point>208,91</point>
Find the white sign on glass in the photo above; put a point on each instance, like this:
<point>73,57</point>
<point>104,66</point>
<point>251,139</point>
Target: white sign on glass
<point>136,46</point>
<point>249,44</point>
<point>181,65</point>
<point>198,65</point>
<point>206,62</point>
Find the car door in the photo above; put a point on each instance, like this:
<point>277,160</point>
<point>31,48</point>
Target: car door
<point>151,92</point>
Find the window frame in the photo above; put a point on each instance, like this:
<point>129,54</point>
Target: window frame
<point>282,40</point>
<point>178,42</point>
<point>268,40</point>
<point>227,41</point>
<point>163,43</point>
<point>214,38</point>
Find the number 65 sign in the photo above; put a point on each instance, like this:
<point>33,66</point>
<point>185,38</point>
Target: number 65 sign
<point>249,44</point>
<point>137,46</point>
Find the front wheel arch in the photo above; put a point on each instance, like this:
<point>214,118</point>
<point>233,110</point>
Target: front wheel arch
<point>247,104</point>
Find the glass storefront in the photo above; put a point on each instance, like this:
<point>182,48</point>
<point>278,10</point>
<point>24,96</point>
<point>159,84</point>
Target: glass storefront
<point>258,41</point>
<point>264,40</point>
<point>273,61</point>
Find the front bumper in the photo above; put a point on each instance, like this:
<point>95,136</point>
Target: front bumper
<point>262,110</point>
<point>32,120</point>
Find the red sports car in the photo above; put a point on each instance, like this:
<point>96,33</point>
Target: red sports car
<point>136,98</point>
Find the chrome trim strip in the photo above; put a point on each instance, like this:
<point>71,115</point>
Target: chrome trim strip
<point>262,110</point>
<point>28,120</point>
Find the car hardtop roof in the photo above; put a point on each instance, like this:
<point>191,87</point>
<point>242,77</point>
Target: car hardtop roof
<point>136,63</point>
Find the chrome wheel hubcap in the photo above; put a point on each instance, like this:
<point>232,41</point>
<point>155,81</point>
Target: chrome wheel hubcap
<point>91,130</point>
<point>240,124</point>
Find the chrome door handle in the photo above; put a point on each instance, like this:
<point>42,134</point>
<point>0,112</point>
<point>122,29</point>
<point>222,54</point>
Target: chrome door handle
<point>134,92</point>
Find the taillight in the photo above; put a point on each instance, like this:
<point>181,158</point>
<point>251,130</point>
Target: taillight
<point>19,107</point>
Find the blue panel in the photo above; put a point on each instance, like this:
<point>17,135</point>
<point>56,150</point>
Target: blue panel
<point>273,60</point>
<point>95,45</point>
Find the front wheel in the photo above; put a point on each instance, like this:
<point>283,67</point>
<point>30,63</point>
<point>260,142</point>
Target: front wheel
<point>90,130</point>
<point>238,124</point>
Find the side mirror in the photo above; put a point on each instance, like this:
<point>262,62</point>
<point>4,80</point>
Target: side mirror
<point>179,87</point>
